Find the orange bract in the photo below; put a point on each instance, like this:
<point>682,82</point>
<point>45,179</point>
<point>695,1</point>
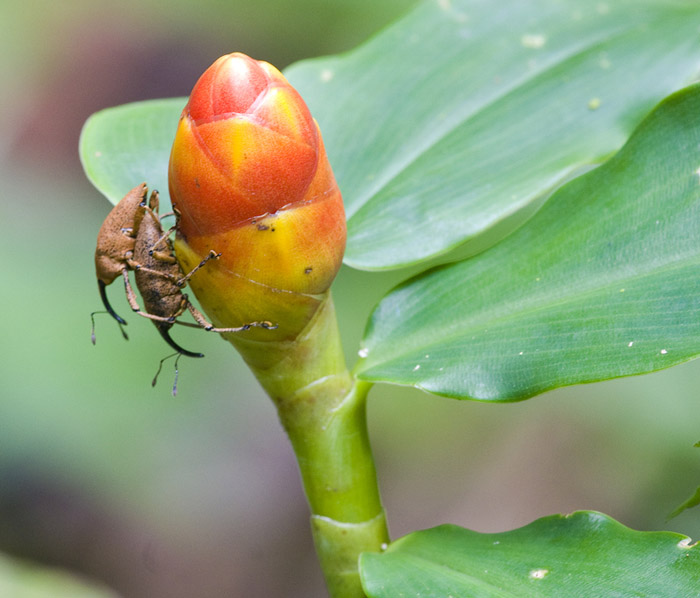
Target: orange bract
<point>251,180</point>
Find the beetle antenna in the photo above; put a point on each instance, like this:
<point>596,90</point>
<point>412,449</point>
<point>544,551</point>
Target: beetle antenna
<point>92,331</point>
<point>177,371</point>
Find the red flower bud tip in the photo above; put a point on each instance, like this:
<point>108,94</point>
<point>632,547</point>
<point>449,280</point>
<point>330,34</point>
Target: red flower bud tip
<point>251,180</point>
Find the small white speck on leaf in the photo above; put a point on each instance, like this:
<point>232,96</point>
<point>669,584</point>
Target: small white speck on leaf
<point>364,352</point>
<point>533,40</point>
<point>663,351</point>
<point>521,352</point>
<point>427,356</point>
<point>415,369</point>
<point>496,543</point>
<point>630,343</point>
<point>686,543</point>
<point>327,75</point>
<point>594,103</point>
<point>622,290</point>
<point>539,573</point>
<point>697,171</point>
<point>384,546</point>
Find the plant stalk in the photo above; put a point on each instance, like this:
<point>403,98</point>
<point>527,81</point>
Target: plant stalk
<point>323,412</point>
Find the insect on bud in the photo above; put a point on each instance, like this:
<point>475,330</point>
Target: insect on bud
<point>250,179</point>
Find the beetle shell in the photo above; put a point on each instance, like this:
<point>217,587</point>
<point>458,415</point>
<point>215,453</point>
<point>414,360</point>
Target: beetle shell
<point>117,236</point>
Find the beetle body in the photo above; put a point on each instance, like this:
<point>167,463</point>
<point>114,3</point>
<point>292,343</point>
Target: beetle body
<point>132,238</point>
<point>116,241</point>
<point>158,276</point>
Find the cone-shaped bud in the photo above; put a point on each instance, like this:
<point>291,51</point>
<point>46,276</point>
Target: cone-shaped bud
<point>250,178</point>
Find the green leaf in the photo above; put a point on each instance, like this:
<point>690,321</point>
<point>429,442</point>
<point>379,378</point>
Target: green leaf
<point>460,115</point>
<point>453,123</point>
<point>583,555</point>
<point>693,501</point>
<point>603,282</point>
<point>125,146</point>
<point>22,580</point>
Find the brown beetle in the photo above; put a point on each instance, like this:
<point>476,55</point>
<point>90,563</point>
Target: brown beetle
<point>116,240</point>
<point>160,280</point>
<point>132,238</point>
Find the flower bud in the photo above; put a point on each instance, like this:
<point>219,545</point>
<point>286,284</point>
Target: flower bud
<point>250,178</point>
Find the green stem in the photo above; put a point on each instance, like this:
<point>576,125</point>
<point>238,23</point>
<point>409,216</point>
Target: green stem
<point>323,411</point>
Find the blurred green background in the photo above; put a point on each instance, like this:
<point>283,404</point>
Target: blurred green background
<point>199,495</point>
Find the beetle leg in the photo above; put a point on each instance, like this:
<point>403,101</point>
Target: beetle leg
<point>130,295</point>
<point>163,256</point>
<point>212,256</point>
<point>133,302</point>
<point>265,324</point>
<point>164,236</point>
<point>202,321</point>
<point>170,320</point>
<point>136,266</point>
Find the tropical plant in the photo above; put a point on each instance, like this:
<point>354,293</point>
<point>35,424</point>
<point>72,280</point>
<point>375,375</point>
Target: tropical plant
<point>522,161</point>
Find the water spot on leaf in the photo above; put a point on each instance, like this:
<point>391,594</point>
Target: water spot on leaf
<point>533,40</point>
<point>604,61</point>
<point>539,573</point>
<point>415,369</point>
<point>630,343</point>
<point>663,351</point>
